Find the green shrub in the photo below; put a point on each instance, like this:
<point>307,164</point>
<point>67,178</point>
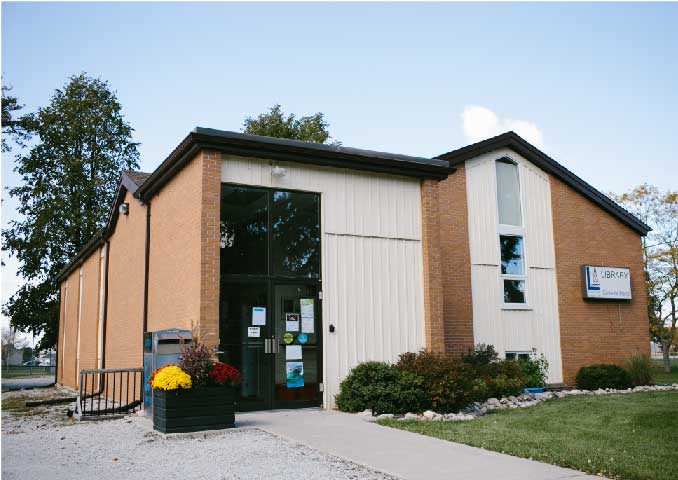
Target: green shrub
<point>603,376</point>
<point>480,355</point>
<point>382,388</point>
<point>639,368</point>
<point>503,378</point>
<point>534,370</point>
<point>452,384</point>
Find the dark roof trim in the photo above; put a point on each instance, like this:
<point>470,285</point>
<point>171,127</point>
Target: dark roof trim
<point>129,182</point>
<point>522,147</point>
<point>292,151</point>
<point>97,240</point>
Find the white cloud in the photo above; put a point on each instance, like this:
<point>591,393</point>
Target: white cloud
<point>480,123</point>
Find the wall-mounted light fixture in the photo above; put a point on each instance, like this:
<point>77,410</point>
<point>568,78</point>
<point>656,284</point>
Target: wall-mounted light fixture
<point>278,171</point>
<point>124,208</point>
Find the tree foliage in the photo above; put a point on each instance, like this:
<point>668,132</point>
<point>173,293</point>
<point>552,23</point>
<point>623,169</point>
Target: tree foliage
<point>660,252</point>
<point>68,177</point>
<point>275,123</point>
<point>12,127</point>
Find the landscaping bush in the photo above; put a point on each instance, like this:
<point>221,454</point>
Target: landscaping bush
<point>426,380</point>
<point>603,376</point>
<point>503,378</point>
<point>480,355</point>
<point>639,368</point>
<point>534,370</point>
<point>383,388</point>
<point>452,384</point>
<point>449,385</point>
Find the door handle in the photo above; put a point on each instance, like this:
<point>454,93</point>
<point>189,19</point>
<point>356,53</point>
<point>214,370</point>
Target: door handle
<point>267,345</point>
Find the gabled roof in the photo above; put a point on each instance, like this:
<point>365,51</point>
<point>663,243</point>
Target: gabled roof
<point>540,159</point>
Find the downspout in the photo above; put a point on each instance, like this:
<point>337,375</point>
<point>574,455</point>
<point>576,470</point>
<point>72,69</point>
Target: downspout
<point>146,266</point>
<point>56,356</point>
<point>103,341</point>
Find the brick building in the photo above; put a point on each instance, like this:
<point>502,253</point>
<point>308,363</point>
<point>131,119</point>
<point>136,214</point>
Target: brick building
<point>281,252</point>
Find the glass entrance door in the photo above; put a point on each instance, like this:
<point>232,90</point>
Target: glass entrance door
<point>244,328</point>
<point>269,300</point>
<point>296,314</point>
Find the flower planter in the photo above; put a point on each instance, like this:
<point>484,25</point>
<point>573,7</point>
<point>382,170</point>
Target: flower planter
<point>193,410</point>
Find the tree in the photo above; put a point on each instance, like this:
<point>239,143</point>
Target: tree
<point>11,340</point>
<point>68,180</point>
<point>660,252</point>
<point>12,127</point>
<point>274,123</point>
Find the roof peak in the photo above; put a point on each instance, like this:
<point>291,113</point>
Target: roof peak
<point>524,148</point>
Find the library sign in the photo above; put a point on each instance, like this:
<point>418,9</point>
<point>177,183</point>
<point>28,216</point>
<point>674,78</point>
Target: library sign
<point>606,283</point>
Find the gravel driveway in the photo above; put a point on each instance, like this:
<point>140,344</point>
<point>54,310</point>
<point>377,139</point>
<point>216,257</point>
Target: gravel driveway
<point>43,443</point>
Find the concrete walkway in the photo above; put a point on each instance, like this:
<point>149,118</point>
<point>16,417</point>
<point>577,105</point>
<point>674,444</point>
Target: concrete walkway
<point>27,382</point>
<point>403,454</point>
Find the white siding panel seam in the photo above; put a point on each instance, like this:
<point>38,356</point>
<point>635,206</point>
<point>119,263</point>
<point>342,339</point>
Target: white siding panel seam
<point>373,236</point>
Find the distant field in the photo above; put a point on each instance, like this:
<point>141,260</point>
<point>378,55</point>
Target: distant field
<point>21,372</point>
<point>662,377</point>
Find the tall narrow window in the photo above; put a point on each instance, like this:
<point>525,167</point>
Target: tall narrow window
<point>511,235</point>
<point>513,268</point>
<point>508,193</point>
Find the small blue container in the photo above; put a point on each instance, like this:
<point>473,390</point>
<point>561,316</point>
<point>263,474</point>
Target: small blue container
<point>535,390</point>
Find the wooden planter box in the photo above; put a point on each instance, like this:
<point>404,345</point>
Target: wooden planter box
<point>200,408</point>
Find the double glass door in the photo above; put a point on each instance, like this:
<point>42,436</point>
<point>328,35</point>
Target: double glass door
<point>277,349</point>
<point>270,311</point>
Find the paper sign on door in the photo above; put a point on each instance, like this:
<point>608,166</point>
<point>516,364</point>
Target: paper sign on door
<point>307,315</point>
<point>292,322</point>
<point>254,332</point>
<point>293,352</point>
<point>258,315</point>
<point>295,374</point>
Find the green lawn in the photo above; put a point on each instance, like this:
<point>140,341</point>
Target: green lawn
<point>632,436</point>
<point>662,377</point>
<point>21,371</point>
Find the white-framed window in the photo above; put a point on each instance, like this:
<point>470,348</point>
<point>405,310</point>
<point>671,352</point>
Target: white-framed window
<point>508,193</point>
<point>513,269</point>
<point>513,273</point>
<point>518,355</point>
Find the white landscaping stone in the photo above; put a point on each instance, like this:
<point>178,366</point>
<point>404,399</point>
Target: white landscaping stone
<point>429,414</point>
<point>385,416</point>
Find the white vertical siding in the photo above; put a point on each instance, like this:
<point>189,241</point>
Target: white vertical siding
<point>537,326</point>
<point>371,259</point>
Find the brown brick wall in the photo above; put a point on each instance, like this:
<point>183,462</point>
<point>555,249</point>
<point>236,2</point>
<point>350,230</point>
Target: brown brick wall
<point>89,320</point>
<point>434,329</point>
<point>67,355</point>
<point>175,250</point>
<point>447,265</point>
<point>124,322</point>
<point>209,247</point>
<point>60,340</point>
<point>456,263</point>
<point>184,258</point>
<point>595,331</point>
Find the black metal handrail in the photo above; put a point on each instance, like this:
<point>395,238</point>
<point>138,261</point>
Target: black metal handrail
<point>109,391</point>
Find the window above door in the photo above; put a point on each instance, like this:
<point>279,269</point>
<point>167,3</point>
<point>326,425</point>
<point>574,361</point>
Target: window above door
<point>268,232</point>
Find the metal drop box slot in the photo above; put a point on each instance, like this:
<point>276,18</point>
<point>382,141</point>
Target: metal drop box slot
<point>161,348</point>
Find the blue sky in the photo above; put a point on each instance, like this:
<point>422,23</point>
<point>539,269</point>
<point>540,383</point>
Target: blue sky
<point>594,85</point>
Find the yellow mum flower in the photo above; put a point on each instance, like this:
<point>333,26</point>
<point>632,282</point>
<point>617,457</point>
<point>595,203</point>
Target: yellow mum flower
<point>171,377</point>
